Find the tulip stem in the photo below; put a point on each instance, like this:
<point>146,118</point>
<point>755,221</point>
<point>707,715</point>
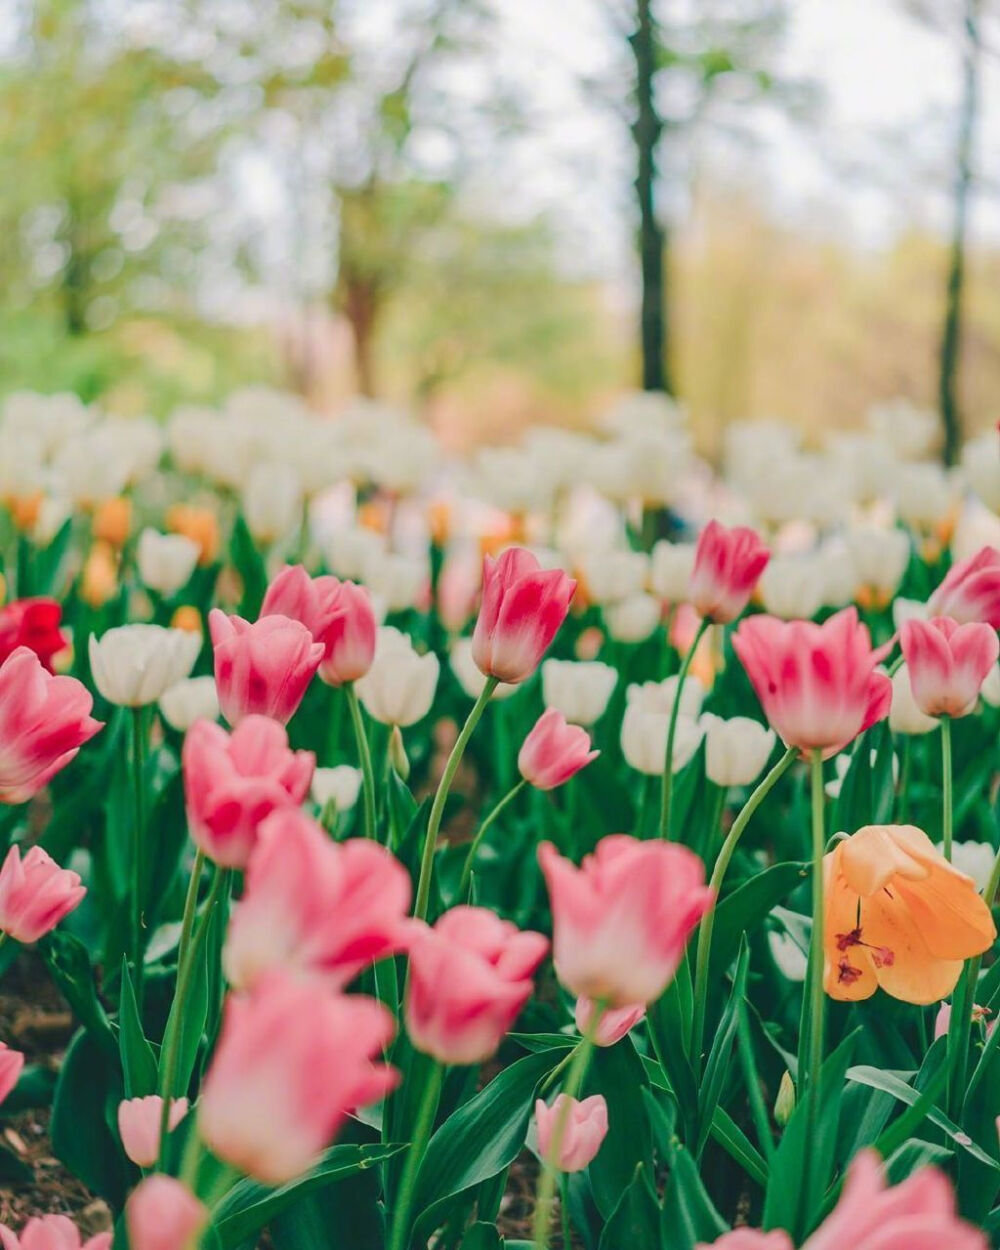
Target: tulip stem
<point>430,1098</point>
<point>364,757</point>
<point>668,759</point>
<point>138,867</point>
<point>814,1003</point>
<point>947,813</point>
<point>704,955</point>
<point>441,795</point>
<point>470,858</point>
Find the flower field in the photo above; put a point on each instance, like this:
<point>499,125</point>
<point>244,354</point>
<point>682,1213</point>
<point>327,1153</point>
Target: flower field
<point>566,845</point>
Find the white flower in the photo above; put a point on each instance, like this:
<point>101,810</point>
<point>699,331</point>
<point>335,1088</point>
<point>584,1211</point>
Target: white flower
<point>981,465</point>
<point>133,665</point>
<point>788,955</point>
<point>736,750</point>
<point>904,715</point>
<point>990,689</point>
<point>578,689</point>
<point>793,587</point>
<point>633,619</point>
<point>399,687</point>
<point>924,494</point>
<point>398,581</point>
<point>349,550</point>
<point>880,558</point>
<point>904,610</point>
<point>166,561</point>
<point>670,570</point>
<point>195,698</point>
<point>658,696</point>
<point>842,764</point>
<point>644,738</point>
<point>912,432</point>
<point>272,501</point>
<point>838,572</point>
<point>53,514</point>
<point>470,676</point>
<point>611,576</point>
<point>975,859</point>
<point>340,785</point>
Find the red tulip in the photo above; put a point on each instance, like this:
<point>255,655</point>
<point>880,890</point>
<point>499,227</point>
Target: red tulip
<point>32,623</point>
<point>35,894</point>
<point>971,590</point>
<point>262,669</point>
<point>727,565</point>
<point>948,663</point>
<point>523,606</point>
<point>338,614</point>
<point>554,751</point>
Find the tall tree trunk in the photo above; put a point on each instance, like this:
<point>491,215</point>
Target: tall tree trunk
<point>646,130</point>
<point>951,338</point>
<point>361,307</point>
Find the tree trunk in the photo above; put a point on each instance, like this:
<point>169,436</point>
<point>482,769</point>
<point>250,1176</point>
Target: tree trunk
<point>361,307</point>
<point>646,130</point>
<point>951,338</point>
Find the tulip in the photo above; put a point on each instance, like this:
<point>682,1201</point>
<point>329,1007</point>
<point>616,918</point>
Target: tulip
<point>905,717</point>
<point>880,559</point>
<point>469,978</point>
<point>818,684</point>
<point>233,781</point>
<point>399,687</point>
<point>975,859</point>
<point>112,521</point>
<point>163,1214</point>
<point>32,623</point>
<point>340,786</point>
<point>793,587</point>
<point>11,1066</point>
<point>611,576</point>
<point>195,698</point>
<point>264,668</point>
<point>132,665</point>
<point>35,894</point>
<point>971,590</point>
<point>554,751</point>
<point>289,1066</point>
<point>584,1127</point>
<point>53,1232</point>
<point>315,906</point>
<point>397,581</point>
<point>470,677</point>
<point>948,663</point>
<point>579,690</point>
<point>99,580</point>
<point>736,750</point>
<point>749,1239</point>
<point>622,919</point>
<point>899,917</point>
<point>612,1025</point>
<point>644,738</point>
<point>670,570</point>
<point>272,501</point>
<point>139,1126</point>
<point>339,615</point>
<point>522,609</point>
<point>166,561</point>
<point>201,525</point>
<point>727,564</point>
<point>633,619</point>
<point>349,550</point>
<point>44,720</point>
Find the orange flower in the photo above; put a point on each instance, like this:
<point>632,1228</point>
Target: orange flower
<point>24,509</point>
<point>187,617</point>
<point>100,575</point>
<point>899,917</point>
<point>201,525</point>
<point>113,521</point>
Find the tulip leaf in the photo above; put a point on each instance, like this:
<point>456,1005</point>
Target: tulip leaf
<point>482,1236</point>
<point>717,1065</point>
<point>669,1024</point>
<point>617,1073</point>
<point>688,1215</point>
<point>85,1104</point>
<point>138,1061</point>
<point>249,563</point>
<point>34,1089</point>
<point>738,1146</point>
<point>635,1221</point>
<point>68,963</point>
<point>745,908</point>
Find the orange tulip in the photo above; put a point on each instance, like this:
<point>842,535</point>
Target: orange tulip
<point>113,521</point>
<point>100,575</point>
<point>201,525</point>
<point>24,509</point>
<point>899,917</point>
<point>187,617</point>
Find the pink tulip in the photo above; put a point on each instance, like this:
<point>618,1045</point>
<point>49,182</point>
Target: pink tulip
<point>11,1066</point>
<point>163,1214</point>
<point>971,590</point>
<point>584,1127</point>
<point>979,1015</point>
<point>948,663</point>
<point>139,1126</point>
<point>233,781</point>
<point>52,1232</point>
<point>289,1066</point>
<point>727,564</point>
<point>469,978</point>
<point>613,1025</point>
<point>262,669</point>
<point>338,614</point>
<point>314,905</point>
<point>35,894</point>
<point>749,1239</point>
<point>44,720</point>
<point>522,608</point>
<point>621,920</point>
<point>554,751</point>
<point>817,683</point>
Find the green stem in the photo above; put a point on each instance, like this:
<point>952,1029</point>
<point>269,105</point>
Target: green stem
<point>811,1060</point>
<point>190,906</point>
<point>947,812</point>
<point>429,1100</point>
<point>440,797</point>
<point>668,759</point>
<point>364,757</point>
<point>904,780</point>
<point>470,858</point>
<point>704,954</point>
<point>567,1232</point>
<point>758,1110</point>
<point>138,866</point>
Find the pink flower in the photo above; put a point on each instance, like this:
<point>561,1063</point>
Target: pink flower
<point>35,894</point>
<point>44,720</point>
<point>163,1214</point>
<point>52,1232</point>
<point>323,907</point>
<point>554,751</point>
<point>338,614</point>
<point>469,978</point>
<point>613,1024</point>
<point>817,683</point>
<point>233,781</point>
<point>523,606</point>
<point>11,1066</point>
<point>139,1126</point>
<point>35,624</point>
<point>621,920</point>
<point>262,669</point>
<point>584,1128</point>
<point>290,1065</point>
<point>749,1239</point>
<point>971,590</point>
<point>948,663</point>
<point>727,564</point>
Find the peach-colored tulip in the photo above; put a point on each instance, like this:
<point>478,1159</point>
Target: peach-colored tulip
<point>139,1126</point>
<point>35,894</point>
<point>52,1232</point>
<point>163,1214</point>
<point>899,916</point>
<point>622,919</point>
<point>554,751</point>
<point>522,609</point>
<point>585,1128</point>
<point>262,669</point>
<point>469,978</point>
<point>11,1066</point>
<point>339,615</point>
<point>727,564</point>
<point>613,1025</point>
<point>971,590</point>
<point>948,663</point>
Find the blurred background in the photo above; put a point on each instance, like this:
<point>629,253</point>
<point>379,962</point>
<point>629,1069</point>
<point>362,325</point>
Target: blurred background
<point>501,212</point>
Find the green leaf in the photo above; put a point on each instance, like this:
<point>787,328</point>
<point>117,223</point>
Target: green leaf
<point>617,1073</point>
<point>635,1221</point>
<point>719,1056</point>
<point>482,1236</point>
<point>34,1089</point>
<point>68,962</point>
<point>689,1215</point>
<point>744,909</point>
<point>738,1146</point>
<point>138,1061</point>
<point>86,1101</point>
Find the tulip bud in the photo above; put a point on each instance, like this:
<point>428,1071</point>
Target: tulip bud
<point>522,609</point>
<point>166,561</point>
<point>554,751</point>
<point>132,665</point>
<point>633,619</point>
<point>339,786</point>
<point>784,1104</point>
<point>579,690</point>
<point>948,663</point>
<point>139,1126</point>
<point>195,698</point>
<point>613,1024</point>
<point>397,754</point>
<point>582,1125</point>
<point>736,750</point>
<point>272,501</point>
<point>163,1214</point>
<point>399,687</point>
<point>35,894</point>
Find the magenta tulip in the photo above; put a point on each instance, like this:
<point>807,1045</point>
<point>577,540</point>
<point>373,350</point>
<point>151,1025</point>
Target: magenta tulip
<point>522,609</point>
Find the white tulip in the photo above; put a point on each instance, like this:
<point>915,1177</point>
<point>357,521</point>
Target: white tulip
<point>990,689</point>
<point>52,419</point>
<point>578,689</point>
<point>349,550</point>
<point>88,469</point>
<point>736,749</point>
<point>340,785</point>
<point>670,570</point>
<point>644,739</point>
<point>841,766</point>
<point>634,619</point>
<point>133,665</point>
<point>195,698</point>
<point>838,572</point>
<point>975,859</point>
<point>658,696</point>
<point>166,561</point>
<point>981,465</point>
<point>611,576</point>
<point>924,494</point>
<point>904,610</point>
<point>399,687</point>
<point>272,501</point>
<point>880,558</point>
<point>470,676</point>
<point>793,587</point>
<point>912,432</point>
<point>977,527</point>
<point>904,715</point>
<point>52,516</point>
<point>397,581</point>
